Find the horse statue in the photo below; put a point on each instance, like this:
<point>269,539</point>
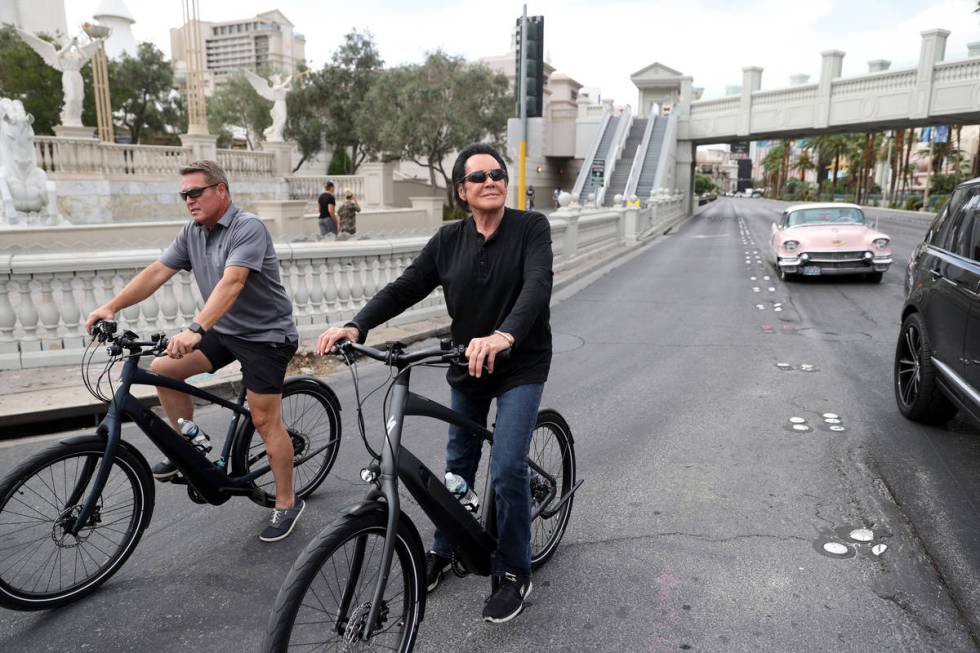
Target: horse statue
<point>29,199</point>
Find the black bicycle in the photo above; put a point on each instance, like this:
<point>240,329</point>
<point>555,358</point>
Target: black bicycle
<point>361,581</point>
<point>71,515</point>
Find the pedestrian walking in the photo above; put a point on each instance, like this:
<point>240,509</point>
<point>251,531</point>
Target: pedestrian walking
<point>247,316</point>
<point>495,268</point>
<point>530,198</point>
<point>347,212</point>
<point>555,197</point>
<point>328,221</point>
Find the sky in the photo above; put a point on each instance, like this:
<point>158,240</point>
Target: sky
<point>601,43</point>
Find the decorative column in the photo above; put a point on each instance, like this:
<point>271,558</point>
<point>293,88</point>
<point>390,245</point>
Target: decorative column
<point>203,145</point>
<point>751,81</point>
<point>379,183</point>
<point>100,81</point>
<point>932,51</point>
<point>830,69</point>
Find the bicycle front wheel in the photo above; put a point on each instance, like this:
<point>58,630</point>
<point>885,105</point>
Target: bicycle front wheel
<point>41,564</point>
<point>313,424</point>
<point>551,459</point>
<point>325,601</point>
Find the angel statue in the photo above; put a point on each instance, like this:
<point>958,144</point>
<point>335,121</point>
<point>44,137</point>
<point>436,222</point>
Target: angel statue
<point>69,61</point>
<point>275,90</point>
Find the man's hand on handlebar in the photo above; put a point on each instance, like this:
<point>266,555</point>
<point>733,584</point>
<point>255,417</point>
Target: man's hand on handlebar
<point>485,350</point>
<point>332,336</point>
<point>183,343</point>
<point>101,313</point>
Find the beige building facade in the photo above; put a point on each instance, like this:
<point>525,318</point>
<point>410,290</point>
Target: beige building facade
<point>265,42</point>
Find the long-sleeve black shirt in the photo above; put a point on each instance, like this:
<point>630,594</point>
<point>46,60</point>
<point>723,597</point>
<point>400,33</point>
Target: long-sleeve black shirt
<point>501,283</point>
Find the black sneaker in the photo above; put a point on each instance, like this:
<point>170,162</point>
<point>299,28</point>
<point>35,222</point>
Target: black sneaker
<point>508,600</point>
<point>436,567</point>
<point>282,522</point>
<point>164,470</point>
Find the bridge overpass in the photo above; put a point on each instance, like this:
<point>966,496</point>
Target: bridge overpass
<point>936,91</point>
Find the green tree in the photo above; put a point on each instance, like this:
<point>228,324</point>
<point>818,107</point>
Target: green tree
<point>703,184</point>
<point>426,112</point>
<point>804,163</point>
<point>355,66</point>
<point>306,115</point>
<point>142,94</point>
<point>24,76</point>
<point>236,104</point>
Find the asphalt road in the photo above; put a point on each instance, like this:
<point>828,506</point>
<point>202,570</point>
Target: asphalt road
<point>702,521</point>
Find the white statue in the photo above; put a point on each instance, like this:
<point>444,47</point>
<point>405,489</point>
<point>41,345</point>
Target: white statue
<point>275,90</point>
<point>69,61</point>
<point>27,195</point>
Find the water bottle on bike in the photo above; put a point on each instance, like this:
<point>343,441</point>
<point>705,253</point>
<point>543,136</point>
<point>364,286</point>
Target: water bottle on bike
<point>462,491</point>
<point>197,437</point>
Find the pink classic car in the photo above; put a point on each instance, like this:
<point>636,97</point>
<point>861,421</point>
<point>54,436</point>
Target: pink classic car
<point>819,239</point>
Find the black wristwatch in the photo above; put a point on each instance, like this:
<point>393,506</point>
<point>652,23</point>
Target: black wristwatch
<point>197,328</point>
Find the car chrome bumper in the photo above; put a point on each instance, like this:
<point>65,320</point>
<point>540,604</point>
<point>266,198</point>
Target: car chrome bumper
<point>795,264</point>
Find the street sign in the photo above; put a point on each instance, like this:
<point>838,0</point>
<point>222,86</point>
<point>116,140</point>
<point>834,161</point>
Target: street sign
<point>740,150</point>
<point>598,169</point>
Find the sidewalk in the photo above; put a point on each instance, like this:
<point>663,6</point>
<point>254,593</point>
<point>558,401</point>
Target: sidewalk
<point>52,399</point>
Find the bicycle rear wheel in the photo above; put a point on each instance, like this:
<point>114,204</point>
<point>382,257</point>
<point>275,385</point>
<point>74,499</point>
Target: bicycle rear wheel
<point>326,598</point>
<point>41,565</point>
<point>313,424</point>
<point>551,458</point>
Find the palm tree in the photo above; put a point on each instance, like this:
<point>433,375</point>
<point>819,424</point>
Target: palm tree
<point>804,163</point>
<point>772,165</point>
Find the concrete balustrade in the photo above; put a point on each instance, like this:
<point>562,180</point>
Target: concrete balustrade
<point>46,297</point>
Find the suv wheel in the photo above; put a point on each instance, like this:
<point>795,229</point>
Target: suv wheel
<point>916,389</point>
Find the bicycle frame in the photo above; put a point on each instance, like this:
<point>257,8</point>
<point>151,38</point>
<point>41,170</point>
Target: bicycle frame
<point>207,478</point>
<point>473,542</point>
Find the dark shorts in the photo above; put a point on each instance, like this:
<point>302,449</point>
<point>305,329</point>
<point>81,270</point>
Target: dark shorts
<point>263,363</point>
<point>327,226</point>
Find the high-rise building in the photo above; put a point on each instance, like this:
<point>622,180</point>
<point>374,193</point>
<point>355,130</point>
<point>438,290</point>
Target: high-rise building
<point>265,42</point>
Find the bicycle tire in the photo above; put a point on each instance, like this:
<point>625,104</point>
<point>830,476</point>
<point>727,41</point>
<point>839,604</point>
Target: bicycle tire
<point>40,486</point>
<point>552,449</point>
<point>312,423</point>
<point>306,619</point>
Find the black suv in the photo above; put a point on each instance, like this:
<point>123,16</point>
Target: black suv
<point>937,359</point>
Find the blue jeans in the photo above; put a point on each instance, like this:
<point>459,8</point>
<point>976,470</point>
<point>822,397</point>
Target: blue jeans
<point>517,411</point>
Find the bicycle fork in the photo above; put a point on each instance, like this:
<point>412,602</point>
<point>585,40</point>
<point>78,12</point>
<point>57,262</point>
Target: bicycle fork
<point>389,487</point>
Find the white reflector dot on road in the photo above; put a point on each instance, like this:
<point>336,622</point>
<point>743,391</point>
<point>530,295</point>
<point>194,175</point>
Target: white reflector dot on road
<point>784,366</point>
<point>837,428</point>
<point>801,427</point>
<point>835,548</point>
<point>878,549</point>
<point>862,534</point>
<point>830,416</point>
<point>830,420</point>
<point>778,309</point>
<point>797,420</point>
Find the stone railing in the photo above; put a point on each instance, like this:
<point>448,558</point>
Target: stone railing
<point>954,71</point>
<point>245,163</point>
<point>71,157</point>
<point>891,80</point>
<point>310,187</point>
<point>45,298</point>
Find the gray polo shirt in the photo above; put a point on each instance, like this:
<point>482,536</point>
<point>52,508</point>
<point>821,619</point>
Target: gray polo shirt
<point>263,311</point>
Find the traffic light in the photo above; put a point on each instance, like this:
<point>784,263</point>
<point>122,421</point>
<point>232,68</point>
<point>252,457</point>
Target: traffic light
<point>535,66</point>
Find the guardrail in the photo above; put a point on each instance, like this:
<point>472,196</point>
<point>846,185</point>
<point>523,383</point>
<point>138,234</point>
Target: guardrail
<point>45,298</point>
<point>309,187</point>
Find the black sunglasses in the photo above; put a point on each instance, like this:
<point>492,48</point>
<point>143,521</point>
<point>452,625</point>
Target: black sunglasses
<point>194,192</point>
<point>480,176</point>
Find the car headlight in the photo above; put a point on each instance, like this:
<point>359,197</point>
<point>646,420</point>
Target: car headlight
<point>791,245</point>
<point>880,243</point>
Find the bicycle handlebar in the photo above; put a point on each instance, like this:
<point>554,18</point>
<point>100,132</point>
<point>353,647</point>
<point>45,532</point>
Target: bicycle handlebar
<point>105,331</point>
<point>445,352</point>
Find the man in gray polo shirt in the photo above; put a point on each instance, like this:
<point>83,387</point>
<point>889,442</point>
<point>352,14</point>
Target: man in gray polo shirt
<point>247,316</point>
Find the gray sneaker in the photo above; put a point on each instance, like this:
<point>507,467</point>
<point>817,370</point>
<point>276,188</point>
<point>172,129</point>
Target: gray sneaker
<point>282,522</point>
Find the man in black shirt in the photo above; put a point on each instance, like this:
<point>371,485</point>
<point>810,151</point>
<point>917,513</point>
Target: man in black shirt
<point>495,268</point>
<point>328,220</point>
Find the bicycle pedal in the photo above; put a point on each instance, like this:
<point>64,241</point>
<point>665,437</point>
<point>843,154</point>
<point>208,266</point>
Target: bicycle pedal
<point>176,480</point>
